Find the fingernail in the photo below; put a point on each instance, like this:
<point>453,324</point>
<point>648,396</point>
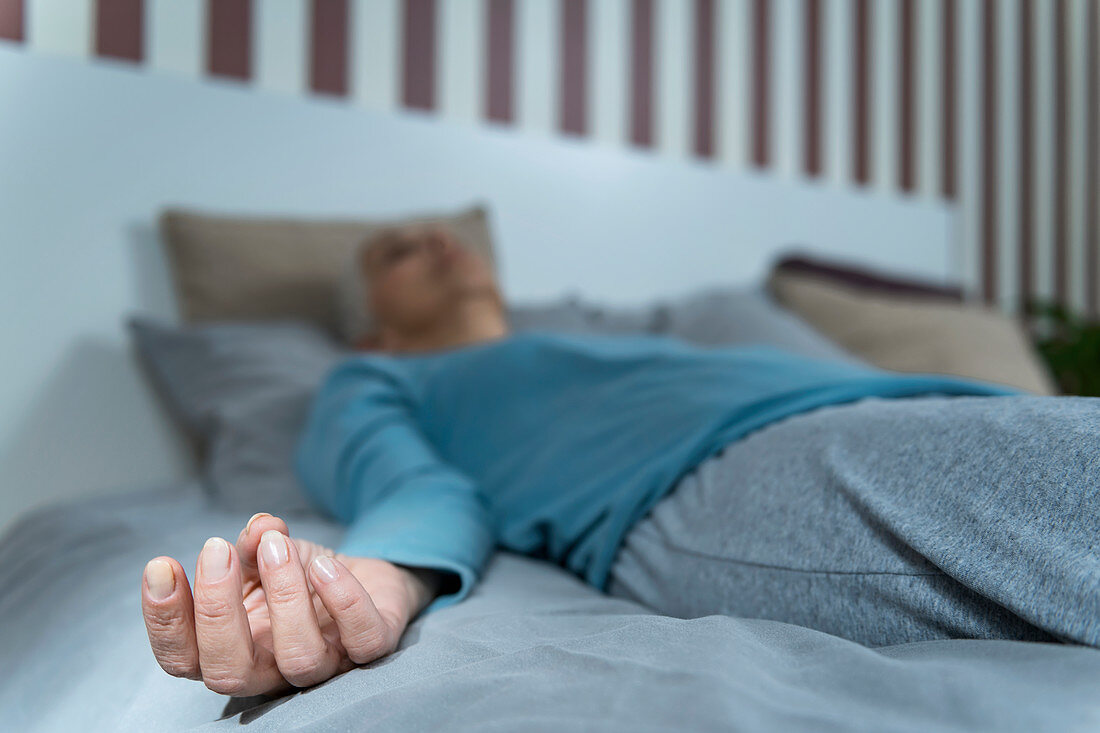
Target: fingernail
<point>324,568</point>
<point>160,579</point>
<point>273,546</point>
<point>255,516</point>
<point>215,558</point>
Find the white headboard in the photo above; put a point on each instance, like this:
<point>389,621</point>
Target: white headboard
<point>88,153</point>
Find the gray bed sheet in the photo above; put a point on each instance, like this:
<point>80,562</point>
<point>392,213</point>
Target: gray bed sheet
<point>532,649</point>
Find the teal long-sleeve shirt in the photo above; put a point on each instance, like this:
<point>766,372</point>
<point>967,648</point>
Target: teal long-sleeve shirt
<point>546,444</point>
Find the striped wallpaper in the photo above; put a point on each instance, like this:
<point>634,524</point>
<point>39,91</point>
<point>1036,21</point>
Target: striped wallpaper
<point>993,105</point>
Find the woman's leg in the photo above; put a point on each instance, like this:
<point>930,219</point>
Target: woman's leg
<point>887,521</point>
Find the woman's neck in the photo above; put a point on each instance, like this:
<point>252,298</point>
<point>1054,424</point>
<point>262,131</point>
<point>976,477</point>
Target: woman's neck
<point>472,321</point>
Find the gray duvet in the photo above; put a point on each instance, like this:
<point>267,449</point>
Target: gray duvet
<point>532,649</point>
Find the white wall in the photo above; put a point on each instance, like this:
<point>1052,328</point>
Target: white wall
<point>173,36</point>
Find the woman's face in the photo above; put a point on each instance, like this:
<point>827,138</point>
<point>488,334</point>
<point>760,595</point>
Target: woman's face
<point>416,275</point>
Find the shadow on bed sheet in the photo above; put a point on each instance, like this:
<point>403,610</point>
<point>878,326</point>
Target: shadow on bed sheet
<point>252,708</point>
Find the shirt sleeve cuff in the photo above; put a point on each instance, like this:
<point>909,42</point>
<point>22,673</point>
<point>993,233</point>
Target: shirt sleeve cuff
<point>467,569</point>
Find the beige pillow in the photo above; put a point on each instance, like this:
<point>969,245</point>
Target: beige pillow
<point>267,268</point>
<point>917,333</point>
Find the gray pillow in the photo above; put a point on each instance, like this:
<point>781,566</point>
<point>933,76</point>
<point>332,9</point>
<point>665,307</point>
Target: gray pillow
<point>709,317</point>
<point>728,316</point>
<point>572,315</point>
<point>242,391</point>
<point>567,315</point>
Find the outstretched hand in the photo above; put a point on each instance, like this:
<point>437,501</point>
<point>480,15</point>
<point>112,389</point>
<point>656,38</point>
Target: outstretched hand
<point>272,613</point>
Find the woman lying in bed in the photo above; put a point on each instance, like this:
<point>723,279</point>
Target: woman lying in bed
<point>877,506</point>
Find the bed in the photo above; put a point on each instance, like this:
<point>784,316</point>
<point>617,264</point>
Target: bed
<point>533,648</point>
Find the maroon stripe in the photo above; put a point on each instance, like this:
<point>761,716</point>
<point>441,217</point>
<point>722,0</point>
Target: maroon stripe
<point>573,63</point>
<point>761,82</point>
<point>419,54</point>
<point>11,20</point>
<point>1027,130</point>
<point>907,102</point>
<point>947,87</point>
<point>1061,153</point>
<point>118,29</point>
<point>1092,190</point>
<point>861,99</point>
<point>641,72</point>
<point>229,38</point>
<point>812,78</point>
<point>328,58</point>
<point>704,78</point>
<point>499,69</point>
<point>989,150</point>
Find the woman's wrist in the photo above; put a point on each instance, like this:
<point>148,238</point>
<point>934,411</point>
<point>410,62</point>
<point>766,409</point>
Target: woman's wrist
<point>424,585</point>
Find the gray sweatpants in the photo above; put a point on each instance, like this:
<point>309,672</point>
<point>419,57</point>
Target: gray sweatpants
<point>887,521</point>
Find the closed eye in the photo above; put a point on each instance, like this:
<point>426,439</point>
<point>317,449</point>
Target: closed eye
<point>397,252</point>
